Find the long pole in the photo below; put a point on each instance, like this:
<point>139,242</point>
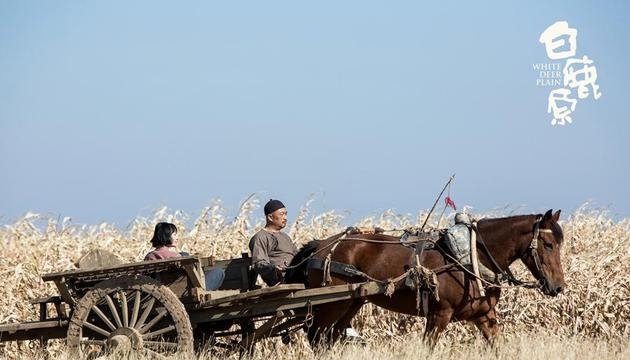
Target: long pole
<point>436,201</point>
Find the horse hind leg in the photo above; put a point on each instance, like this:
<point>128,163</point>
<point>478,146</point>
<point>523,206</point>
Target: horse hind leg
<point>345,321</point>
<point>317,333</point>
<point>323,331</point>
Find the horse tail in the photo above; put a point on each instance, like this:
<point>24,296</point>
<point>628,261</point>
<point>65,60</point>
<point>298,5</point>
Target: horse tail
<point>296,272</point>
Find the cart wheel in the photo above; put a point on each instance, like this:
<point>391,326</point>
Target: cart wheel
<point>130,314</point>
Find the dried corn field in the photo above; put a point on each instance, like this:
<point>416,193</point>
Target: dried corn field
<point>590,319</point>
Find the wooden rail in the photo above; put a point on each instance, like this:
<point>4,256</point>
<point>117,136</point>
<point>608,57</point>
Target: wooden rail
<point>269,301</point>
<point>33,330</point>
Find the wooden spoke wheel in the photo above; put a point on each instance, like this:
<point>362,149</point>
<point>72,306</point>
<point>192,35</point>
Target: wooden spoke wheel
<point>130,314</point>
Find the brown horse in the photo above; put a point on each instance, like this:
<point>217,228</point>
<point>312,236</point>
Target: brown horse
<point>534,239</point>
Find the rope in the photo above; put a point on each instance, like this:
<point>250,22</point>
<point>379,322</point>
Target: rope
<point>327,278</point>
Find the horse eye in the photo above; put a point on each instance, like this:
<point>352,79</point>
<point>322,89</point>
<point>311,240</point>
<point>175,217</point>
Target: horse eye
<point>548,247</point>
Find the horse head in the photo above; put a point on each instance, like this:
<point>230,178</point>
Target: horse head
<point>542,257</point>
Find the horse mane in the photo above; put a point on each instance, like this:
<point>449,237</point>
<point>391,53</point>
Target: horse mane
<point>556,229</point>
<point>557,232</point>
<point>378,237</point>
<point>496,225</point>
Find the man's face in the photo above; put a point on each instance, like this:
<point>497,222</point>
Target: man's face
<point>278,218</point>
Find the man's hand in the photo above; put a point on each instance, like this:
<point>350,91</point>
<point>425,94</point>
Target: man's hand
<point>280,273</point>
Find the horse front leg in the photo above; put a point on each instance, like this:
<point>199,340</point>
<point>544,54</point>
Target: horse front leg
<point>436,324</point>
<point>489,326</point>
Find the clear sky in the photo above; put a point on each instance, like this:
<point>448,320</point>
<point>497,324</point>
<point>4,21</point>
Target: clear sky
<point>109,109</point>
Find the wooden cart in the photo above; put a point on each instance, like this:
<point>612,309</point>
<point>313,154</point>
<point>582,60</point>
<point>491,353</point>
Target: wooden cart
<point>161,307</point>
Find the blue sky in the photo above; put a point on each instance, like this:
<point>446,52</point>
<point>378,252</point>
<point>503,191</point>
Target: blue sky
<point>111,109</point>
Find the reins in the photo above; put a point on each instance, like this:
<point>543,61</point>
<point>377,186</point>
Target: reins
<point>506,274</point>
<point>518,283</point>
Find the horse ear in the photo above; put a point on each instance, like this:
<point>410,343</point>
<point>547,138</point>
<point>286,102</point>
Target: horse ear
<point>556,216</point>
<point>548,214</point>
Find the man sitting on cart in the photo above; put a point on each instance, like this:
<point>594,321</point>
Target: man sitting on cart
<point>165,243</point>
<point>272,251</point>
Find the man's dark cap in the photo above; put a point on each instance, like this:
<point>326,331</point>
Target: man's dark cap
<point>273,205</point>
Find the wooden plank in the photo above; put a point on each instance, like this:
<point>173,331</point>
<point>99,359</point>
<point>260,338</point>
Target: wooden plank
<point>195,277</point>
<point>43,312</point>
<point>217,294</point>
<point>259,309</point>
<point>79,281</point>
<point>263,331</point>
<point>64,291</point>
<point>56,300</point>
<point>51,329</point>
<point>371,288</point>
<point>224,310</point>
<point>137,267</point>
<point>61,310</point>
<point>47,299</point>
<point>250,295</point>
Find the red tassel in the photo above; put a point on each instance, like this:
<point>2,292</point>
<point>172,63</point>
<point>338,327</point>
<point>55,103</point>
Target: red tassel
<point>450,202</point>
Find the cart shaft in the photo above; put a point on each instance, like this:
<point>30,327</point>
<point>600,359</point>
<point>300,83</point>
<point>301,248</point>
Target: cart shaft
<point>33,330</point>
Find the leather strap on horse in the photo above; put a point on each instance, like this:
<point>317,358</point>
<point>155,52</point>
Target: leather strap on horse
<point>334,267</point>
<point>329,266</point>
<point>533,246</point>
<point>504,274</point>
<point>326,279</point>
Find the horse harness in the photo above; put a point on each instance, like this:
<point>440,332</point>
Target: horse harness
<point>418,277</point>
<point>507,275</point>
<point>533,246</point>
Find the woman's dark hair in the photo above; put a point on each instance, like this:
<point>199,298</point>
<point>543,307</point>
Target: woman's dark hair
<point>162,234</point>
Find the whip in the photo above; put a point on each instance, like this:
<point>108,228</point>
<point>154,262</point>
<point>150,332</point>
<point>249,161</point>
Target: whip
<point>436,201</point>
